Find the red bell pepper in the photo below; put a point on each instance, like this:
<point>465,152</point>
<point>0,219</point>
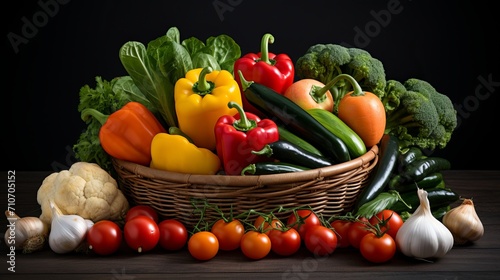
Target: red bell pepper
<point>274,71</point>
<point>237,136</point>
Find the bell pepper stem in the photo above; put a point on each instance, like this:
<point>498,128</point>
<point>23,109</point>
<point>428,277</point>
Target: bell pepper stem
<point>202,86</point>
<point>318,94</point>
<point>267,151</point>
<point>90,112</point>
<point>356,87</point>
<point>244,83</point>
<point>249,169</point>
<point>244,123</point>
<point>264,45</point>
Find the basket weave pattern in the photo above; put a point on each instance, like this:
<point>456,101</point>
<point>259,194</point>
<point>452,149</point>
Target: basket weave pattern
<point>329,190</point>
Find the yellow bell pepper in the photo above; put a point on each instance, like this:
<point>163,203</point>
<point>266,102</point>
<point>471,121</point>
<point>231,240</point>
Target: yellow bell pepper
<point>200,99</point>
<point>175,153</point>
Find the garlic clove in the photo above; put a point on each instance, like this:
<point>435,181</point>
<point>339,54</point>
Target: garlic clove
<point>422,235</point>
<point>67,231</point>
<point>464,223</point>
<point>28,233</point>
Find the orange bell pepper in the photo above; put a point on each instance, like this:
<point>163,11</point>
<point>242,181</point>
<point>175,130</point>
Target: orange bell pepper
<point>127,133</point>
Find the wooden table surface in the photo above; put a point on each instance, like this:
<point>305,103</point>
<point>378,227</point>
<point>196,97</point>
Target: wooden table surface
<point>480,260</point>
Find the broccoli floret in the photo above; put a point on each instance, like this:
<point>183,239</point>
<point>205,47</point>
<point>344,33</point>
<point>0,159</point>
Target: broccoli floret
<point>413,121</point>
<point>368,71</point>
<point>323,62</point>
<point>393,91</point>
<point>446,112</point>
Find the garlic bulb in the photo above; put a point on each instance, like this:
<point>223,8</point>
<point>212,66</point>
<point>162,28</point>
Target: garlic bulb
<point>28,233</point>
<point>464,223</point>
<point>422,235</point>
<point>67,231</point>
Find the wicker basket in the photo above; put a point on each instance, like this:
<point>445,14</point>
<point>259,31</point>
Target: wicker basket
<point>329,190</point>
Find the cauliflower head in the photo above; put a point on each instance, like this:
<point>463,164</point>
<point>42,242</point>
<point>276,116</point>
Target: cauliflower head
<point>86,190</point>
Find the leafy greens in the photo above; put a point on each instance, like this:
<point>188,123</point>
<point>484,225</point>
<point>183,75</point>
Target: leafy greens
<point>155,68</point>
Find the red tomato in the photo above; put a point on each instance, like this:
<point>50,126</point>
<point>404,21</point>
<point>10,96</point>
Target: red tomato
<point>255,245</point>
<point>228,233</point>
<point>377,249</point>
<point>284,242</point>
<point>173,234</point>
<point>388,221</point>
<point>320,240</point>
<point>341,227</point>
<point>263,226</point>
<point>356,232</point>
<point>307,219</point>
<point>141,233</point>
<point>203,245</point>
<point>140,210</point>
<point>104,237</point>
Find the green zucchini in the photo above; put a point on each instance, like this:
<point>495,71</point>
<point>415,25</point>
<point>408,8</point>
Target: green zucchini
<point>438,197</point>
<point>296,119</point>
<point>388,154</point>
<point>335,125</point>
<point>298,141</point>
<point>419,169</point>
<point>285,151</point>
<point>431,181</point>
<point>264,168</point>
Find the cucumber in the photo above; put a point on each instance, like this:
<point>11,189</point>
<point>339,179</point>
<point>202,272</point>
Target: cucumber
<point>285,151</point>
<point>389,151</point>
<point>438,197</point>
<point>296,119</point>
<point>296,140</point>
<point>334,124</point>
<point>264,168</point>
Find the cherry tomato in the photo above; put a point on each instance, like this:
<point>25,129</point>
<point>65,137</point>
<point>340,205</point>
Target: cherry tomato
<point>141,233</point>
<point>356,232</point>
<point>228,233</point>
<point>140,210</point>
<point>341,227</point>
<point>203,245</point>
<point>388,221</point>
<point>320,240</point>
<point>284,242</point>
<point>173,234</point>
<point>261,224</point>
<point>255,245</point>
<point>377,249</point>
<point>307,219</point>
<point>104,237</point>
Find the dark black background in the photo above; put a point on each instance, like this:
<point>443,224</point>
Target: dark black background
<point>451,45</point>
